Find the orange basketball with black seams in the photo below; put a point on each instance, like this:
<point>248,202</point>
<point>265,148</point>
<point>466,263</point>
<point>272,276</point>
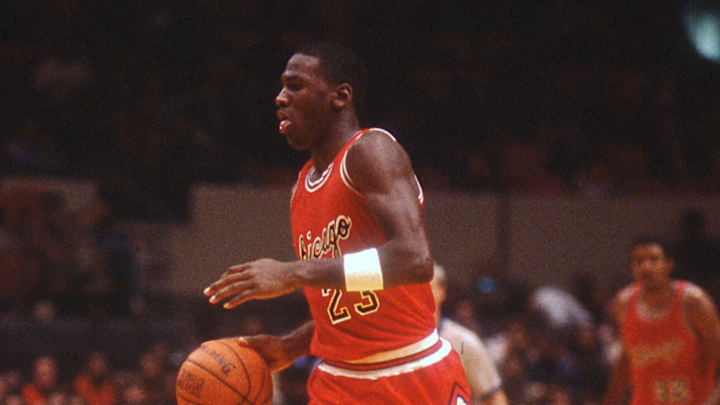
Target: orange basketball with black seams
<point>222,372</point>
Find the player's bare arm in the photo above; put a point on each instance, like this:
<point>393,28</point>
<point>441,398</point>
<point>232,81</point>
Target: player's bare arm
<point>381,170</point>
<point>619,305</point>
<point>618,383</point>
<point>703,318</point>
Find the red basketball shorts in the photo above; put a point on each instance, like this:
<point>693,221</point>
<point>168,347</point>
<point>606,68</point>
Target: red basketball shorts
<point>436,378</point>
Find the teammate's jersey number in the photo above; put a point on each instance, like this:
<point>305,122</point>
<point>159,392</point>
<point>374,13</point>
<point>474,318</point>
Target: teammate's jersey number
<point>337,313</point>
<point>672,391</point>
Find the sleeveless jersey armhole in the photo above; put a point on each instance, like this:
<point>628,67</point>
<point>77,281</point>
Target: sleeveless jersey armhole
<point>683,298</point>
<point>292,191</point>
<point>630,305</point>
<point>345,175</point>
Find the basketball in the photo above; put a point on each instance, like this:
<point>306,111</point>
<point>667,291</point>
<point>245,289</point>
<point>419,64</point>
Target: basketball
<point>222,372</point>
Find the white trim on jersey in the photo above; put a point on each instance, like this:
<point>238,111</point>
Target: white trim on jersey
<point>345,176</point>
<point>312,186</point>
<point>429,360</point>
<point>421,195</point>
<point>405,351</point>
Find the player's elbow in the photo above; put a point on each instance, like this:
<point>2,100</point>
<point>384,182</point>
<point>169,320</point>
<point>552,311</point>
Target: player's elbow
<point>407,265</point>
<point>423,268</point>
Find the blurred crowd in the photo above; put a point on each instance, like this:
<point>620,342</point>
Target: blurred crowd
<point>563,97</point>
<point>58,262</point>
<point>48,381</point>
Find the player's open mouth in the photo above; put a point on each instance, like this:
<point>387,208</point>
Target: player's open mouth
<point>282,126</point>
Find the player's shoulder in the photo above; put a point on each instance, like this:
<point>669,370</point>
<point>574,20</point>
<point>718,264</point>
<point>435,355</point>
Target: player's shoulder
<point>376,151</point>
<point>374,140</point>
<point>625,294</point>
<point>621,301</point>
<point>694,296</point>
<point>691,290</point>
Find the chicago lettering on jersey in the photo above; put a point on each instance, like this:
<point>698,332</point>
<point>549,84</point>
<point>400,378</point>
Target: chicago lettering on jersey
<point>643,355</point>
<point>328,241</point>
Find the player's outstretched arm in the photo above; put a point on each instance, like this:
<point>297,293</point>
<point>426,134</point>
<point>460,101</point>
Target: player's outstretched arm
<point>618,385</point>
<point>268,278</point>
<point>279,352</point>
<point>380,170</point>
<point>619,382</point>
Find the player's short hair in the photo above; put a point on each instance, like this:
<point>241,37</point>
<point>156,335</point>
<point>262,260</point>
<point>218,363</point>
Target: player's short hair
<point>340,65</point>
<point>652,240</point>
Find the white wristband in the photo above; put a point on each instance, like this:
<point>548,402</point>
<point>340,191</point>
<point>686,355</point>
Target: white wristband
<point>362,271</point>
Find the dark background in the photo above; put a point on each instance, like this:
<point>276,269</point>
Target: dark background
<point>558,97</point>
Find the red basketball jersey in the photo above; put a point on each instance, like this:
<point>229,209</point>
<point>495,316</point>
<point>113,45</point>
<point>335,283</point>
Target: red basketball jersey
<point>330,218</point>
<point>666,365</point>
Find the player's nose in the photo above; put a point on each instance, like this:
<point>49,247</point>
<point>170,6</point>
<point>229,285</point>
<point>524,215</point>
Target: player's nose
<point>281,99</point>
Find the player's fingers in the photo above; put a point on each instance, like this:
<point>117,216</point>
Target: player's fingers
<point>237,268</point>
<point>224,281</point>
<point>220,283</point>
<point>238,299</point>
<point>234,288</point>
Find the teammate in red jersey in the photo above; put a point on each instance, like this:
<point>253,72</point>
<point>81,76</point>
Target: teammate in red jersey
<point>670,334</point>
<point>365,262</point>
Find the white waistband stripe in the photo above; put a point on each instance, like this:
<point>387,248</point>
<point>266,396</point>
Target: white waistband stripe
<point>404,351</point>
<point>390,371</point>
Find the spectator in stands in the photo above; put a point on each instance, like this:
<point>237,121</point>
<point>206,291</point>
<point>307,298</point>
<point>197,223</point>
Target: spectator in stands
<point>21,267</point>
<point>134,394</point>
<point>157,383</point>
<point>52,237</point>
<point>591,370</point>
<point>4,389</point>
<point>64,396</point>
<point>95,384</point>
<point>44,381</point>
<point>557,312</point>
<point>482,377</point>
<point>13,382</point>
<point>110,265</point>
<point>14,399</point>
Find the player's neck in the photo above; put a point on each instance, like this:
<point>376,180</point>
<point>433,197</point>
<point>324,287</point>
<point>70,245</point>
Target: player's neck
<point>659,299</point>
<point>338,135</point>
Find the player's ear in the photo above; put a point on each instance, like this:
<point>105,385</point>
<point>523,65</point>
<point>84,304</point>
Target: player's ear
<point>343,96</point>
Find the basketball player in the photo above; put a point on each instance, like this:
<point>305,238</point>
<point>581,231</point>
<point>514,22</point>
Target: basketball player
<point>365,262</point>
<point>670,335</point>
<point>480,372</point>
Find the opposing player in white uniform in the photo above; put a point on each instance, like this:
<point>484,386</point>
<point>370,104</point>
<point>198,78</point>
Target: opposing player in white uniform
<point>480,372</point>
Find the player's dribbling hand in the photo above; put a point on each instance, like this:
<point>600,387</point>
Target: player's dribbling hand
<point>270,348</point>
<point>261,279</point>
